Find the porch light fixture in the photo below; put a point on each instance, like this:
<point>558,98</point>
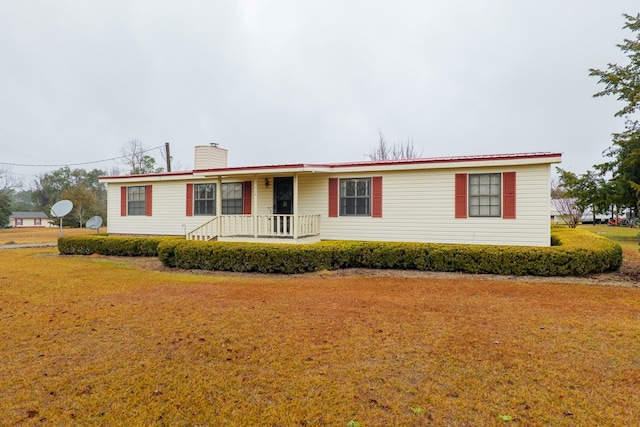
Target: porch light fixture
<point>266,182</point>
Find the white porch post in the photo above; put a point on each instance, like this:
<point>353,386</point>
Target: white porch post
<point>219,206</point>
<point>254,207</point>
<point>295,206</point>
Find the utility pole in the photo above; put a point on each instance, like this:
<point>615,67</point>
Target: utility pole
<point>168,154</point>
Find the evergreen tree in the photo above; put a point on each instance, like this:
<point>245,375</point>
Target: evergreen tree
<point>5,208</point>
<point>623,82</point>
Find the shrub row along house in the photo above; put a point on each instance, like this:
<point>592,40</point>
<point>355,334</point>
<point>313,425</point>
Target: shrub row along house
<point>485,199</point>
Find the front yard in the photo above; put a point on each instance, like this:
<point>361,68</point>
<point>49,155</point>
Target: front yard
<point>101,341</point>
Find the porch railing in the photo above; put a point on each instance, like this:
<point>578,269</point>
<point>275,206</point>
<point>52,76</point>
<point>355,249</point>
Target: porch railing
<point>287,226</point>
<point>207,231</point>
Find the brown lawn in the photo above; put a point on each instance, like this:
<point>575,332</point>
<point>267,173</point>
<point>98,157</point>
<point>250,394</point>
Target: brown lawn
<point>11,236</point>
<point>103,341</point>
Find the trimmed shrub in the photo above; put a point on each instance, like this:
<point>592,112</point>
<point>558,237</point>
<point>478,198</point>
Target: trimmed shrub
<point>110,245</point>
<point>577,252</point>
<point>242,257</point>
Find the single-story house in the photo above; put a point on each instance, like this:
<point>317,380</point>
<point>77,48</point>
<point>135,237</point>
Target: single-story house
<point>482,199</point>
<point>29,219</point>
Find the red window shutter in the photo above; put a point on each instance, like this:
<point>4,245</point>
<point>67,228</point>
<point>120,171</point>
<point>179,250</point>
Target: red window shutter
<point>189,199</point>
<point>461,195</point>
<point>509,195</point>
<point>148,197</point>
<point>333,197</point>
<point>123,201</point>
<point>246,198</point>
<point>376,196</point>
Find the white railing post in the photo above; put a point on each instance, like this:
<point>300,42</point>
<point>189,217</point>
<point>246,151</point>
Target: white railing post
<point>254,207</point>
<point>206,231</point>
<point>257,226</point>
<point>294,223</point>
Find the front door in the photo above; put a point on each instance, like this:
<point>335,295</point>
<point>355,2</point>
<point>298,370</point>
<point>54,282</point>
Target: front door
<point>282,204</point>
<point>283,195</point>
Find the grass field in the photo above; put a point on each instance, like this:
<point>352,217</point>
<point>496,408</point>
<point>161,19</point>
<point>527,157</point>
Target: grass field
<point>101,341</point>
<point>628,239</point>
<point>18,236</point>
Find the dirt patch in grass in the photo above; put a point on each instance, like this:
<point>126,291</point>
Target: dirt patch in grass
<point>628,239</point>
<point>106,341</point>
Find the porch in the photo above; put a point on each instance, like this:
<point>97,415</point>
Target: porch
<point>259,228</point>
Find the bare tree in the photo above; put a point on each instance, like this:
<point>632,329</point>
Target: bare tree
<point>9,182</point>
<point>570,213</point>
<point>114,170</point>
<point>84,203</point>
<point>134,154</point>
<point>399,150</point>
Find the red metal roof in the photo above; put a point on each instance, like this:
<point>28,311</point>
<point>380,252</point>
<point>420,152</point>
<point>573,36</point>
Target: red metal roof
<point>480,157</point>
<point>388,163</point>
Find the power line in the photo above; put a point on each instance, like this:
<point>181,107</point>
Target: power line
<point>74,164</point>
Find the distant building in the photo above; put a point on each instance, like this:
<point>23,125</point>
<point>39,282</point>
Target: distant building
<point>29,219</point>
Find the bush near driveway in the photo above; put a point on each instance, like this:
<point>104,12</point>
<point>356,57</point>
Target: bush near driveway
<point>576,253</point>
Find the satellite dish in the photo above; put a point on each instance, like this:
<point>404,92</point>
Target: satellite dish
<point>61,208</point>
<point>94,222</point>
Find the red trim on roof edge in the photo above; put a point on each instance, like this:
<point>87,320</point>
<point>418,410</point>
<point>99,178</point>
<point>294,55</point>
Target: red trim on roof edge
<point>427,160</point>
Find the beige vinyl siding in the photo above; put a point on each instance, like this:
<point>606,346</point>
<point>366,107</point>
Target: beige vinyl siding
<point>313,194</point>
<point>419,206</point>
<point>169,211</point>
<point>169,207</point>
<point>30,222</point>
<point>265,197</point>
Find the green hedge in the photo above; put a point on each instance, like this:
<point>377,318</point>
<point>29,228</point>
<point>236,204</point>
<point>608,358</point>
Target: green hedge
<point>110,245</point>
<point>579,252</point>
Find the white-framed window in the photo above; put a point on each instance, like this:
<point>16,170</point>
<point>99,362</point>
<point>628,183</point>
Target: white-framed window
<point>355,196</point>
<point>37,221</point>
<point>232,197</point>
<point>136,200</point>
<point>18,221</point>
<point>484,195</point>
<point>204,199</point>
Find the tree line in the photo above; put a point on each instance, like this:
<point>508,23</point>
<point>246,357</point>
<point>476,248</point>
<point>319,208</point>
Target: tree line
<point>612,186</point>
<point>80,186</point>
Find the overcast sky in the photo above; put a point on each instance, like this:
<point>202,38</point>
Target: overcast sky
<point>293,81</point>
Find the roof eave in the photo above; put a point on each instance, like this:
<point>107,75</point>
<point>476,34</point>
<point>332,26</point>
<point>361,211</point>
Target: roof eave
<point>513,159</point>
